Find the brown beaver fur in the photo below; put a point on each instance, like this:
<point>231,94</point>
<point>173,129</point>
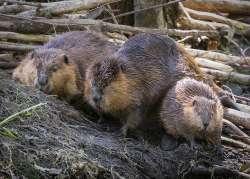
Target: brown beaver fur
<point>26,71</point>
<point>61,63</point>
<point>130,83</point>
<point>191,109</point>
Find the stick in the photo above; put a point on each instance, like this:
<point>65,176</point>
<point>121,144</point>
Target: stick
<point>12,117</point>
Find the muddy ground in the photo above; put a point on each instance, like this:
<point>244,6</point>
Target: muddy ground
<point>57,141</point>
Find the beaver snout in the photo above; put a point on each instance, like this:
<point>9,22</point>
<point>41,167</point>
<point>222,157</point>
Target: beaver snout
<point>43,80</point>
<point>97,95</point>
<point>205,125</point>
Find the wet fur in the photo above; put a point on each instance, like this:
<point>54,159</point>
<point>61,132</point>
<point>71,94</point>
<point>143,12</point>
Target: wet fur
<point>81,49</point>
<point>181,118</point>
<point>150,64</point>
<point>25,72</point>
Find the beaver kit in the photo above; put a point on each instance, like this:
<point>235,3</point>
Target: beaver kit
<point>130,83</point>
<point>59,66</point>
<point>192,110</point>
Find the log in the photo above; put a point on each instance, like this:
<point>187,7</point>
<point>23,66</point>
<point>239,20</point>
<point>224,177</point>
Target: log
<point>237,117</point>
<point>229,59</point>
<point>23,37</point>
<point>8,65</point>
<point>17,47</point>
<point>187,23</point>
<point>62,7</point>
<point>243,107</point>
<point>25,25</point>
<point>235,143</point>
<point>237,131</point>
<point>6,57</point>
<point>226,6</point>
<point>240,26</point>
<point>22,3</point>
<point>228,76</point>
<point>14,9</point>
<point>206,63</point>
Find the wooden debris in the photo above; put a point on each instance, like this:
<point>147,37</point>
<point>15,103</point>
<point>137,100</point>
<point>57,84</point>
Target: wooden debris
<point>229,59</point>
<point>237,131</point>
<point>235,143</point>
<point>227,6</point>
<point>16,47</point>
<point>228,76</point>
<point>206,63</point>
<point>237,117</point>
<point>23,37</point>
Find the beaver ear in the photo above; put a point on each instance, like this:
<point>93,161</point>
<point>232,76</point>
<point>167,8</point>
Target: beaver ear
<point>194,102</point>
<point>122,66</point>
<point>66,59</point>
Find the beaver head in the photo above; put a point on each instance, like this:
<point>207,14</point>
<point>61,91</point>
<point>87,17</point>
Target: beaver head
<point>50,63</point>
<point>107,86</point>
<point>205,109</point>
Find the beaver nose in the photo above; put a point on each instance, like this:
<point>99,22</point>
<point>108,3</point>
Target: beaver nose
<point>96,95</point>
<point>97,98</point>
<point>43,80</point>
<point>205,125</point>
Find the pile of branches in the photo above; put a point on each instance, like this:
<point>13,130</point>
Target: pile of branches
<point>25,26</point>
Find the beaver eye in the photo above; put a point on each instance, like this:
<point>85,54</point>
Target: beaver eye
<point>54,68</point>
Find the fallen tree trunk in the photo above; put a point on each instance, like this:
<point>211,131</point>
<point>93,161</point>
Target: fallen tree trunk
<point>25,25</point>
<point>227,6</point>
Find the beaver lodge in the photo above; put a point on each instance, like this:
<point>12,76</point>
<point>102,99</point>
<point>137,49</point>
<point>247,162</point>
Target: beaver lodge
<point>79,79</point>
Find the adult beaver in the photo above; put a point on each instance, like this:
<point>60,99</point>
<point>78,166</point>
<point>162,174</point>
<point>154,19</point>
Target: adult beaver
<point>131,83</point>
<point>61,63</point>
<point>192,110</point>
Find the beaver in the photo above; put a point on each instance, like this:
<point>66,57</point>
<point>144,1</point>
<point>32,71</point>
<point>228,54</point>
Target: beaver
<point>26,71</point>
<point>191,109</point>
<point>130,83</point>
<point>61,63</point>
